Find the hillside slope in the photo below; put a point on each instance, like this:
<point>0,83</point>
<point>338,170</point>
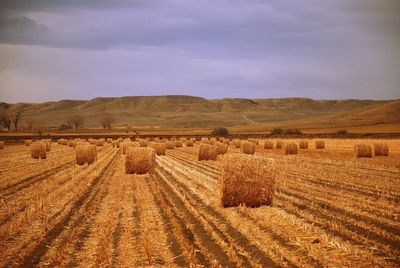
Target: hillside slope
<point>188,111</point>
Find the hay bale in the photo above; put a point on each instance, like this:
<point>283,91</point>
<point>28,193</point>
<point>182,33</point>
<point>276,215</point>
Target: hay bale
<point>85,154</point>
<point>72,143</point>
<point>237,143</point>
<point>381,149</point>
<point>178,143</point>
<point>248,147</point>
<point>213,141</point>
<point>48,146</point>
<point>62,142</point>
<point>38,150</point>
<point>207,152</point>
<point>303,144</point>
<point>189,143</point>
<point>246,180</point>
<point>99,142</point>
<point>170,145</point>
<point>126,145</point>
<point>115,144</point>
<point>28,142</point>
<point>290,148</point>
<point>268,145</point>
<point>255,141</point>
<point>205,140</point>
<point>362,150</point>
<point>320,144</point>
<point>109,140</point>
<point>1,144</point>
<point>279,144</point>
<point>222,148</point>
<point>140,160</point>
<point>143,143</point>
<point>159,147</point>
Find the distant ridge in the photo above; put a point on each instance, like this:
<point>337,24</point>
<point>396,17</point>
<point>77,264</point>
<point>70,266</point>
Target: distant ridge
<point>191,111</point>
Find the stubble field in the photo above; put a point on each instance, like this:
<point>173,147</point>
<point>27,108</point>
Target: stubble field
<point>330,210</point>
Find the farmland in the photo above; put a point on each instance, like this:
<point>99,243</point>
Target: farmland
<point>330,209</point>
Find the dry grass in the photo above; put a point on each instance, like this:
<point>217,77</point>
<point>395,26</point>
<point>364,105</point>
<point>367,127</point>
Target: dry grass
<point>279,144</point>
<point>381,149</point>
<point>159,147</point>
<point>290,148</point>
<point>362,150</point>
<point>246,180</point>
<point>85,154</point>
<point>140,160</point>
<point>38,150</point>
<point>303,144</point>
<point>207,152</point>
<point>248,147</point>
<point>320,144</point>
<point>268,145</point>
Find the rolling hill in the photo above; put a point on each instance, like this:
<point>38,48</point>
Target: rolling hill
<point>189,111</point>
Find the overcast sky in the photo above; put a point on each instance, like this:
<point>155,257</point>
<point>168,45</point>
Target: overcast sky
<point>81,49</point>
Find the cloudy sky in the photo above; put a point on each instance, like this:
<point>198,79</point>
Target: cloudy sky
<point>81,49</point>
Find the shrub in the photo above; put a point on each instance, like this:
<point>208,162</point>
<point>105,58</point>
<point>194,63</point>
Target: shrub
<point>362,150</point>
<point>303,144</point>
<point>381,149</point>
<point>140,160</point>
<point>248,147</point>
<point>268,145</point>
<point>342,132</point>
<point>85,154</point>
<point>220,131</point>
<point>38,150</point>
<point>207,152</point>
<point>290,148</point>
<point>276,131</point>
<point>320,144</point>
<point>293,131</point>
<point>246,180</point>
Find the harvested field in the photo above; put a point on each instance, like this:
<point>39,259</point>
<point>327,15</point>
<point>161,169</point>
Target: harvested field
<point>330,209</point>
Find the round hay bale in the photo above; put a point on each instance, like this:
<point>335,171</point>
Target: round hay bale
<point>85,154</point>
<point>290,148</point>
<point>222,148</point>
<point>99,142</point>
<point>213,141</point>
<point>126,145</point>
<point>268,145</point>
<point>140,160</point>
<point>246,180</point>
<point>109,140</point>
<point>1,144</point>
<point>248,147</point>
<point>205,140</point>
<point>28,142</point>
<point>159,147</point>
<point>381,149</point>
<point>320,144</point>
<point>362,150</point>
<point>143,143</point>
<point>170,145</point>
<point>189,143</point>
<point>237,143</point>
<point>38,150</point>
<point>255,141</point>
<point>279,144</point>
<point>71,143</point>
<point>178,143</point>
<point>115,144</point>
<point>303,144</point>
<point>207,152</point>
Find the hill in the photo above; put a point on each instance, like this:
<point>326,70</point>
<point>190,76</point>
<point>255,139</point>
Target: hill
<point>189,111</point>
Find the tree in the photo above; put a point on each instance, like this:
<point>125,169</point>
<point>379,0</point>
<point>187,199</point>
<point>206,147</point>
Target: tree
<point>16,116</point>
<point>220,131</point>
<point>75,120</point>
<point>5,121</point>
<point>30,123</point>
<point>106,120</point>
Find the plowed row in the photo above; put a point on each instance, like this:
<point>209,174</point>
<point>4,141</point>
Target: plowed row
<point>327,212</point>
